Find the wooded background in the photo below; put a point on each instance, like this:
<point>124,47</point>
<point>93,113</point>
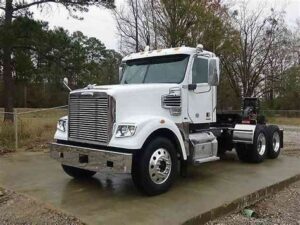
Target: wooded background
<point>259,51</point>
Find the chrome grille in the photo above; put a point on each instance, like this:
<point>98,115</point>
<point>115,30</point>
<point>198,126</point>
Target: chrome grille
<point>89,117</point>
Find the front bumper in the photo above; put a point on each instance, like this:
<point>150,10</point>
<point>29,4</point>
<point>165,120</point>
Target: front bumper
<point>91,159</point>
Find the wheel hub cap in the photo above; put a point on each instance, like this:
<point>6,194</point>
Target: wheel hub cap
<point>261,144</point>
<point>276,142</point>
<point>160,166</point>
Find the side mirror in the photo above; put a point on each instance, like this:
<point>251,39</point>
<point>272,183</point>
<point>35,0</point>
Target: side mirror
<point>66,83</point>
<point>214,71</point>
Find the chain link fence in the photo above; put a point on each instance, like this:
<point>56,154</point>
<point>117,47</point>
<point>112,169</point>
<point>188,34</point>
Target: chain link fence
<point>34,128</point>
<point>31,129</point>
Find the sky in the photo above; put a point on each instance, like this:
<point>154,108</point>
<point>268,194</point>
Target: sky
<point>100,23</point>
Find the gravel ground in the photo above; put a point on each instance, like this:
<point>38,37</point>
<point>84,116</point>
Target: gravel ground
<point>282,208</point>
<point>17,209</point>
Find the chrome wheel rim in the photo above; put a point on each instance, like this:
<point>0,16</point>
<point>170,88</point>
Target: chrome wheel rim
<point>160,166</point>
<point>261,144</point>
<point>276,142</point>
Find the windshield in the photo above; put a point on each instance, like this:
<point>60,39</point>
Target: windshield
<point>164,69</point>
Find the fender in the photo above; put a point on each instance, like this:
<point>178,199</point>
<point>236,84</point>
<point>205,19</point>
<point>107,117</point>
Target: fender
<point>146,125</point>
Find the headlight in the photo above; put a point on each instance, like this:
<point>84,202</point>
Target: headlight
<point>61,125</point>
<point>125,130</point>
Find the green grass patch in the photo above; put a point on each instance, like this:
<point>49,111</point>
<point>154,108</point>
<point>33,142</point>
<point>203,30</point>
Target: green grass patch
<point>284,121</point>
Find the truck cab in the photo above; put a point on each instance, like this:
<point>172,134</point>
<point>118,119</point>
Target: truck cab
<point>161,117</point>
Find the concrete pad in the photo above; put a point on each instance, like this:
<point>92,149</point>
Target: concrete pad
<point>113,199</point>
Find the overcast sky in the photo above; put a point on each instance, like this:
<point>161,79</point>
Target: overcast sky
<point>100,23</point>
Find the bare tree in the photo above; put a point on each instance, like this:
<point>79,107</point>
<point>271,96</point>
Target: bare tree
<point>278,61</point>
<point>15,8</point>
<point>165,23</point>
<point>137,26</point>
<point>246,65</point>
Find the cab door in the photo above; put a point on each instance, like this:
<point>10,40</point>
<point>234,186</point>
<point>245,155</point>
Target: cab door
<point>200,97</point>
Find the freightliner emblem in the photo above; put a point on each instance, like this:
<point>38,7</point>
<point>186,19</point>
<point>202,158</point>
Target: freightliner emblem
<point>87,93</point>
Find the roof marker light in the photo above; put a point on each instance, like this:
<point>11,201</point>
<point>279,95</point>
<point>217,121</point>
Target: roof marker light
<point>199,48</point>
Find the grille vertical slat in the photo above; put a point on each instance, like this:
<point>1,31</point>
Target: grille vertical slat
<point>89,118</point>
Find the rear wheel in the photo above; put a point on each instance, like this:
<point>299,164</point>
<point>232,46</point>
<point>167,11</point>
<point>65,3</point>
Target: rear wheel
<point>257,151</point>
<point>77,173</point>
<point>155,167</point>
<point>273,141</point>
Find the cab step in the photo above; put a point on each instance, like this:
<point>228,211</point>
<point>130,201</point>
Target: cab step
<point>205,160</point>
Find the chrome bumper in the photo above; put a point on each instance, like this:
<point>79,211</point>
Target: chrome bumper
<point>91,159</point>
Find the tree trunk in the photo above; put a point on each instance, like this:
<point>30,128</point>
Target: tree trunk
<point>8,97</point>
<point>154,24</point>
<point>136,27</point>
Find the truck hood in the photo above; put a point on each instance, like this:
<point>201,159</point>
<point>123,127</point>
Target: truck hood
<point>136,99</point>
<point>114,90</point>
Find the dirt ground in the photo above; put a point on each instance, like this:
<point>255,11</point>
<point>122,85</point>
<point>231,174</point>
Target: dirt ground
<point>282,208</point>
<point>17,209</point>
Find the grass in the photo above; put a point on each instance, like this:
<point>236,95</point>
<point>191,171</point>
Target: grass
<point>284,121</point>
<point>35,129</point>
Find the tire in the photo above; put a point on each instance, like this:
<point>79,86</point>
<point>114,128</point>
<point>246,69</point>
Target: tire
<point>224,143</point>
<point>273,140</point>
<point>242,152</point>
<point>258,150</point>
<point>158,156</point>
<point>77,172</point>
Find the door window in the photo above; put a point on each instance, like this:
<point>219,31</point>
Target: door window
<point>200,71</point>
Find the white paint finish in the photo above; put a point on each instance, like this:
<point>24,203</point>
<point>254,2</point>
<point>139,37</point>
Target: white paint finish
<point>140,104</point>
<point>163,52</point>
<point>200,101</point>
<point>146,125</point>
<point>200,104</point>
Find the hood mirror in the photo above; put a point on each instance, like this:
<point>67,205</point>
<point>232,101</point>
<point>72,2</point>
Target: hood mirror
<point>66,83</point>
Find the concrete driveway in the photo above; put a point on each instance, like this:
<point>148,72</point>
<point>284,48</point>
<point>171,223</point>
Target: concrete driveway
<point>113,199</point>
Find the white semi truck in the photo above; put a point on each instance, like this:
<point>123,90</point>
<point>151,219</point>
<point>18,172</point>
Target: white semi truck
<point>160,119</point>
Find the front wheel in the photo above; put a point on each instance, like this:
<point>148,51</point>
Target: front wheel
<point>77,172</point>
<point>155,167</point>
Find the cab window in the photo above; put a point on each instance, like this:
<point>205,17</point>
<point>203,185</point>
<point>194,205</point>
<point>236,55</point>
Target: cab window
<point>200,71</point>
